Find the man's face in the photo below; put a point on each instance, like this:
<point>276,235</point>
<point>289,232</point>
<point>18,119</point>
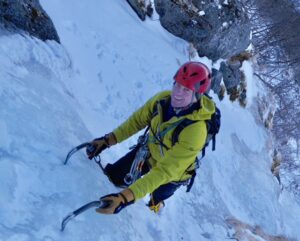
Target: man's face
<point>181,96</point>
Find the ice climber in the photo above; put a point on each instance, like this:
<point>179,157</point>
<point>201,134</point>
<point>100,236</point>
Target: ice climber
<point>158,166</point>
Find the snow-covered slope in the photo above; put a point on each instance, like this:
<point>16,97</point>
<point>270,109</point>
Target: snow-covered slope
<point>54,97</point>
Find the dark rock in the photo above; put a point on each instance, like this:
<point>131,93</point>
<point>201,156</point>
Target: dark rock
<point>243,97</point>
<point>141,8</point>
<point>27,15</point>
<point>216,31</point>
<point>149,10</point>
<point>232,75</point>
<point>216,81</point>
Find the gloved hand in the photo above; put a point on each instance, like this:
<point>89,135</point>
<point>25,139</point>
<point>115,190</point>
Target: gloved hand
<point>98,145</point>
<point>116,202</point>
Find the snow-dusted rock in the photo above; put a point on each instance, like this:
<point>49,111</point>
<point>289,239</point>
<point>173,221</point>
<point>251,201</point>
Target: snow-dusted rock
<point>29,16</point>
<point>207,32</point>
<point>232,74</point>
<point>141,7</point>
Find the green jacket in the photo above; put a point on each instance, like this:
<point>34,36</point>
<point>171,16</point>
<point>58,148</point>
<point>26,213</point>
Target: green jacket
<point>170,164</point>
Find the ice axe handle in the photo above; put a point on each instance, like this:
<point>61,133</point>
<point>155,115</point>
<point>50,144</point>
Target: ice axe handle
<point>75,149</point>
<point>97,204</point>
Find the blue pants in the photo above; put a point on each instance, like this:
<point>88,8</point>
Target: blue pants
<point>117,171</point>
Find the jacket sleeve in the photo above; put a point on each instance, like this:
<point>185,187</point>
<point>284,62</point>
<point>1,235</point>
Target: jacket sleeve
<point>175,161</point>
<point>138,120</point>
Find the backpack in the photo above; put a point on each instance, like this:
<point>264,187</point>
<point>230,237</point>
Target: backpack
<point>213,127</point>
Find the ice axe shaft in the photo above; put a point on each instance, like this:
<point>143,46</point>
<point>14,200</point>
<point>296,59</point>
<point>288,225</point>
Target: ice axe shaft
<point>98,204</point>
<point>74,150</point>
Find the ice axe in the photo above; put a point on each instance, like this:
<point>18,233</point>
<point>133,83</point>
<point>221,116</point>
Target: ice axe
<point>98,204</point>
<point>87,145</point>
<point>75,149</point>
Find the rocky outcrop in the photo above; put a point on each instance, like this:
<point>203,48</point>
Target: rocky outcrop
<point>142,8</point>
<point>233,77</point>
<point>232,74</point>
<point>217,30</point>
<point>217,77</point>
<point>234,81</point>
<point>27,15</point>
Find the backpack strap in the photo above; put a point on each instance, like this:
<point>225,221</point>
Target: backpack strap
<point>191,183</point>
<point>214,142</point>
<point>214,126</point>
<point>193,173</point>
<point>179,128</point>
<point>161,102</point>
<point>175,137</point>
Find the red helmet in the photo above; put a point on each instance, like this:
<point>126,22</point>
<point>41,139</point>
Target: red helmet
<point>194,76</point>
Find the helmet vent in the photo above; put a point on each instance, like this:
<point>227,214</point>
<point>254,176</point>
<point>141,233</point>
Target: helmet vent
<point>184,69</point>
<point>194,74</point>
<point>202,82</point>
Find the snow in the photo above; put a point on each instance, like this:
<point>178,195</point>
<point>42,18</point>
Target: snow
<point>201,13</point>
<point>252,88</point>
<point>54,97</point>
<point>225,24</point>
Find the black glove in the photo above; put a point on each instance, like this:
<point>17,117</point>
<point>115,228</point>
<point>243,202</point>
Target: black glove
<point>97,146</point>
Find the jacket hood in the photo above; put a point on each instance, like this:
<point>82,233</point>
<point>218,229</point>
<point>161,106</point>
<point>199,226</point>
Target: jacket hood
<point>207,108</point>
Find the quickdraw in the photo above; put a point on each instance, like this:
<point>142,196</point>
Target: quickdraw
<point>141,157</point>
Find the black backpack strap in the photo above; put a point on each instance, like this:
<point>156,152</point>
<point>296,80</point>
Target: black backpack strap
<point>189,186</point>
<point>215,127</point>
<point>175,137</point>
<point>203,152</point>
<point>214,142</point>
<point>163,103</point>
<point>193,173</point>
<point>179,128</point>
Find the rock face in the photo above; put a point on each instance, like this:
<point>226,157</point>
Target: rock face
<point>232,74</point>
<point>217,77</point>
<point>141,7</point>
<point>217,29</point>
<point>29,16</point>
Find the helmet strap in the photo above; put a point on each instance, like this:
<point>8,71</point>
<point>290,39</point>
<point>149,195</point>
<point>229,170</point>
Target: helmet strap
<point>198,96</point>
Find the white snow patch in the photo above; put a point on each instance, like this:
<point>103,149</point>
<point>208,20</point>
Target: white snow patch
<point>201,13</point>
<point>225,24</point>
<point>252,89</point>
